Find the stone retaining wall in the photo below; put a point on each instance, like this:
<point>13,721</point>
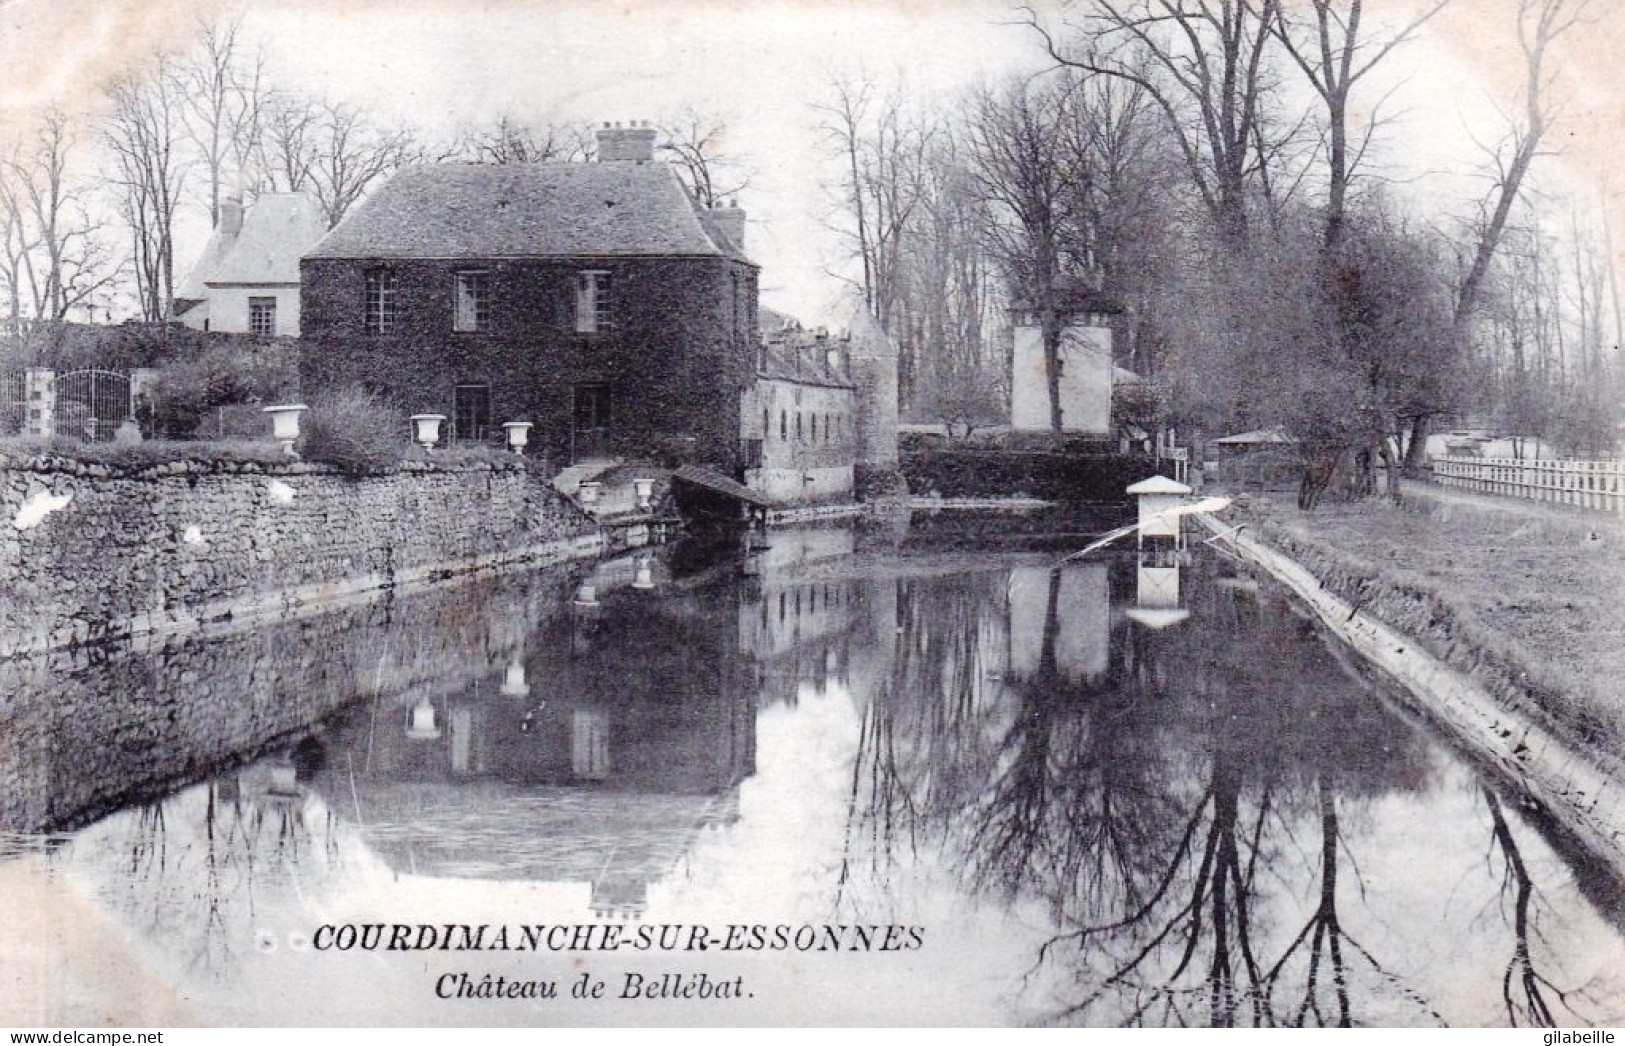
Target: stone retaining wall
<point>90,729</point>
<point>168,547</point>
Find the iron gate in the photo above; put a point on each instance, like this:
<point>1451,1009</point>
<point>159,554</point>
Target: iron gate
<point>13,402</point>
<point>92,404</point>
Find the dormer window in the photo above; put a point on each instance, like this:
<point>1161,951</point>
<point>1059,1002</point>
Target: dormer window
<point>593,302</point>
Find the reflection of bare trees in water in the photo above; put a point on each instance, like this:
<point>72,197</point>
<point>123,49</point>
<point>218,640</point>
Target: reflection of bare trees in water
<point>148,847</point>
<point>1527,993</point>
<point>1155,807</point>
<point>194,863</point>
<point>1077,807</point>
<point>1330,948</point>
<point>1323,932</point>
<point>922,722</point>
<point>877,782</point>
<point>1185,954</point>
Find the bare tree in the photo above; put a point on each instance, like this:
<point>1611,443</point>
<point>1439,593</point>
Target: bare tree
<point>55,256</point>
<point>143,133</point>
<point>1031,182</point>
<point>1203,64</point>
<point>1540,24</point>
<point>1329,48</point>
<point>882,146</point>
<point>955,290</point>
<point>329,149</point>
<point>223,95</point>
<point>509,140</point>
<point>697,143</point>
<point>287,143</point>
<point>882,143</point>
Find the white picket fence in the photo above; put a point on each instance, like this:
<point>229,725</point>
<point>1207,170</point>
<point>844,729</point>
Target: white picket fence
<point>1586,484</point>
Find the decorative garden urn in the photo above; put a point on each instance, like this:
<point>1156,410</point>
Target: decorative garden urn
<point>426,429</point>
<point>285,424</point>
<point>518,435</point>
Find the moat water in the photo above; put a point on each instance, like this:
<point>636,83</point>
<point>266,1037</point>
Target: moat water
<point>842,781</point>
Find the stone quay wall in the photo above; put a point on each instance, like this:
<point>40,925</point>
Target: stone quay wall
<point>91,729</point>
<point>169,547</point>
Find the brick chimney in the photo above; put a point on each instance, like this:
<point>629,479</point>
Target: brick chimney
<point>634,143</point>
<point>230,218</point>
<point>730,220</point>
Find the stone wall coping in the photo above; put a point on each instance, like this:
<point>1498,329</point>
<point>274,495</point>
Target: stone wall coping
<point>59,464</point>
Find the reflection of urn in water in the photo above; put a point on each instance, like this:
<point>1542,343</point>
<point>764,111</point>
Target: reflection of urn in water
<point>422,724</point>
<point>513,680</point>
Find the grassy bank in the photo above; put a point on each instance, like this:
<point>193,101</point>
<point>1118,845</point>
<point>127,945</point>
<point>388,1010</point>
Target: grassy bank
<point>1524,598</point>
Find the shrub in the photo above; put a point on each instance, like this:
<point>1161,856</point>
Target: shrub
<point>190,392</point>
<point>1093,478</point>
<point>355,432</point>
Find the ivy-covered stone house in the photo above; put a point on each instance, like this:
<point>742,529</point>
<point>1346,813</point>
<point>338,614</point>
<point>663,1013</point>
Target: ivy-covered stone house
<point>597,301</point>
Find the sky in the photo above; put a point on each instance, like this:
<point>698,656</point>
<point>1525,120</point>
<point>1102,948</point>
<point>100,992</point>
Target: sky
<point>440,63</point>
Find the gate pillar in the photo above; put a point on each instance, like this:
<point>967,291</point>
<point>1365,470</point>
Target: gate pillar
<point>40,392</point>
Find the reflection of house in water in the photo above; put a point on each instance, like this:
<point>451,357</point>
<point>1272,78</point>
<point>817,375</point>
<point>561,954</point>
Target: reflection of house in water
<point>597,757</point>
<point>797,623</point>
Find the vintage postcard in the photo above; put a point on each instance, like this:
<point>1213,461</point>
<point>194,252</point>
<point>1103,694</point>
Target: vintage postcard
<point>839,512</point>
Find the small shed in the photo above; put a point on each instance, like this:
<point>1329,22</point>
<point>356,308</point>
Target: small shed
<point>1257,439</point>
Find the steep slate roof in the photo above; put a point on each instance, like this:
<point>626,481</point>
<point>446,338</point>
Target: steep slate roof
<point>214,252</point>
<point>804,361</point>
<point>527,211</point>
<point>276,231</point>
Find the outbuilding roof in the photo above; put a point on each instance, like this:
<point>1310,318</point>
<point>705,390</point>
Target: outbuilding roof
<point>1256,436</point>
<point>276,231</point>
<point>460,210</point>
<point>804,362</point>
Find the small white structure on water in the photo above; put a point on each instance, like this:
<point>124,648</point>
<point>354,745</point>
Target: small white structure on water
<point>1159,499</point>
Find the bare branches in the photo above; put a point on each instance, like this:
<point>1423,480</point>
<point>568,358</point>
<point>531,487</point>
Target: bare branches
<point>222,97</point>
<point>1035,190</point>
<point>54,257</point>
<point>697,144</point>
<point>143,134</point>
<point>1204,66</point>
<point>1329,49</point>
<point>1540,24</point>
<point>332,151</point>
<point>509,140</point>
